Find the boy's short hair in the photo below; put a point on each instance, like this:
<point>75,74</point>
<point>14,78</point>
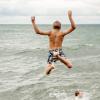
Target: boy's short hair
<point>57,25</point>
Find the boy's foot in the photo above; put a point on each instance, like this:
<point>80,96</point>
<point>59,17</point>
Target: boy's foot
<point>49,70</point>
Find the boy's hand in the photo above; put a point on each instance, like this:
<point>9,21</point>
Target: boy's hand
<point>69,13</point>
<point>33,19</point>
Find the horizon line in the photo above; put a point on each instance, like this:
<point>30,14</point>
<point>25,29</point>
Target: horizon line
<point>49,24</point>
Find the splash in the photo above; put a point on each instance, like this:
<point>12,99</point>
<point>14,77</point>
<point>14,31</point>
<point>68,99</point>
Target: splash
<point>62,95</point>
<point>86,96</point>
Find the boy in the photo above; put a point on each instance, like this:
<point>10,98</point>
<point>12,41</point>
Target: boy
<point>56,37</point>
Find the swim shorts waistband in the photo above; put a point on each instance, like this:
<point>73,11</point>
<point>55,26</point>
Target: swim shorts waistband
<point>58,49</point>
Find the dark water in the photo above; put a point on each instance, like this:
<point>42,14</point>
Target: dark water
<point>23,56</point>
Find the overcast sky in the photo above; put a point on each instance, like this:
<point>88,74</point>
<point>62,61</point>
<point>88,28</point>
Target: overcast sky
<point>46,11</point>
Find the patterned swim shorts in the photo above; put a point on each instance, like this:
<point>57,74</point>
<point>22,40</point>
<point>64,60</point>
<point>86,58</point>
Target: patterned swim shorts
<point>52,58</point>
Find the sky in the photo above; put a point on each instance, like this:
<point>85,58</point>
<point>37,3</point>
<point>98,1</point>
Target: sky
<point>47,11</point>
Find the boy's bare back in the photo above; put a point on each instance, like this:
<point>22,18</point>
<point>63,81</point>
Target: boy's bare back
<point>55,40</point>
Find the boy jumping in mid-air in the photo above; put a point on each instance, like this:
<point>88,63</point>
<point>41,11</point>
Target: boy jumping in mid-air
<point>56,37</point>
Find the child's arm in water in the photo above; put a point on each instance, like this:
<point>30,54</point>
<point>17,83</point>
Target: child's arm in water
<point>36,28</point>
<point>73,25</point>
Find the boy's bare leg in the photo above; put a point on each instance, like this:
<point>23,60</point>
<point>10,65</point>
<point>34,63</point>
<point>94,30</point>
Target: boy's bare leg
<point>49,68</point>
<point>65,61</point>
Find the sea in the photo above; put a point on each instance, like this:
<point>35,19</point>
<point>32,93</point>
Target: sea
<point>23,59</point>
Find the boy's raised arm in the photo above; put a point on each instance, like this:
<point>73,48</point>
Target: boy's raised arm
<point>36,28</point>
<point>72,26</point>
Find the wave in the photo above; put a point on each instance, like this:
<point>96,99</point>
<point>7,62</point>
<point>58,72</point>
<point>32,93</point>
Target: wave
<point>86,57</point>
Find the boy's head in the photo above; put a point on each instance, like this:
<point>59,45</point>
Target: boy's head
<point>57,25</point>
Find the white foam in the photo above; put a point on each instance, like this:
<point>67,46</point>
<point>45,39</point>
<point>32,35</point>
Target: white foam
<point>58,95</point>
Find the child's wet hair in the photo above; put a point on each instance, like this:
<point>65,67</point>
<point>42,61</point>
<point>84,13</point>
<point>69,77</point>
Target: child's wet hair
<point>77,93</point>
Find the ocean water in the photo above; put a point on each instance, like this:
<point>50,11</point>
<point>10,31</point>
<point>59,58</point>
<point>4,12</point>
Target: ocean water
<point>23,56</point>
